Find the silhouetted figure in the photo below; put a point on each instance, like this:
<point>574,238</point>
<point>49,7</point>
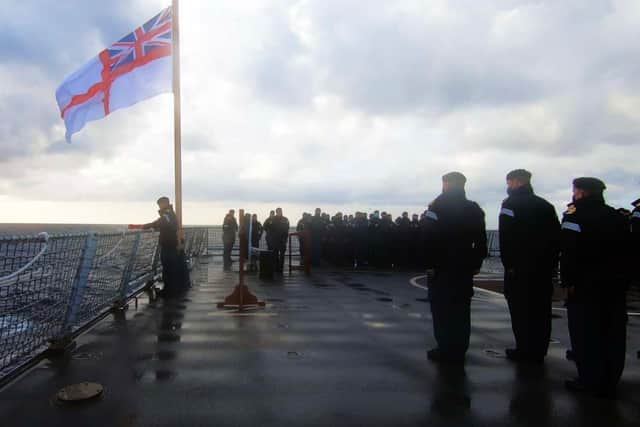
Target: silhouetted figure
<point>595,245</point>
<point>229,230</point>
<point>280,235</point>
<point>269,230</point>
<point>256,231</point>
<point>457,245</point>
<point>175,274</point>
<point>529,245</point>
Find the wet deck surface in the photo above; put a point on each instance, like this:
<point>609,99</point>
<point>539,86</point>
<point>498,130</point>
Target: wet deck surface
<point>336,349</point>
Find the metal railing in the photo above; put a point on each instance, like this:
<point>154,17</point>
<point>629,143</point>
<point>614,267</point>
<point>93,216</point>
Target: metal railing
<point>52,286</point>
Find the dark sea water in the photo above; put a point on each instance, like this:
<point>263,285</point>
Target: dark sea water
<point>32,229</point>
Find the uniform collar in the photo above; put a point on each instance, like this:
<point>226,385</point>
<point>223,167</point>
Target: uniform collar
<point>453,195</point>
<point>589,201</point>
<point>525,189</point>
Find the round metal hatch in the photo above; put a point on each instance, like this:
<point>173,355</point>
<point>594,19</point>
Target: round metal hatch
<point>79,392</point>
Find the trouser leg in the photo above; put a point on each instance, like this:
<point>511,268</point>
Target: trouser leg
<point>283,252</point>
<point>170,270</point>
<point>529,304</point>
<point>586,333</point>
<point>451,325</point>
<point>515,311</point>
<point>615,343</point>
<point>228,248</point>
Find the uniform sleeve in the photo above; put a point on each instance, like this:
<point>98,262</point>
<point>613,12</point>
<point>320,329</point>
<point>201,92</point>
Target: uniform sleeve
<point>569,244</point>
<point>431,235</point>
<point>553,237</point>
<point>507,235</point>
<point>480,240</point>
<point>153,225</point>
<point>627,252</point>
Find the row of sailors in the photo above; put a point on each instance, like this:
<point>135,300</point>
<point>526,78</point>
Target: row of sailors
<point>594,245</point>
<point>356,240</point>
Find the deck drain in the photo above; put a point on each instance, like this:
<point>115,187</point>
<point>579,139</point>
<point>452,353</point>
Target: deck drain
<point>423,299</point>
<point>79,392</point>
<point>385,299</point>
<point>293,355</point>
<point>494,353</point>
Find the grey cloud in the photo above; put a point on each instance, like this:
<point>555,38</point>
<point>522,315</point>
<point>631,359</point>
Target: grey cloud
<point>55,33</point>
<point>278,71</point>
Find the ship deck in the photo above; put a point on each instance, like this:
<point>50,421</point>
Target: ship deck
<point>338,348</point>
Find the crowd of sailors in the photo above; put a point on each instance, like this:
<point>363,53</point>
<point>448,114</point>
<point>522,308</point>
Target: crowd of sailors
<point>356,240</point>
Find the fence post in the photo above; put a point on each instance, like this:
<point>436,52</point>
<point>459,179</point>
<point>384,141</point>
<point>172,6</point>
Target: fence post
<point>63,341</point>
<point>126,274</point>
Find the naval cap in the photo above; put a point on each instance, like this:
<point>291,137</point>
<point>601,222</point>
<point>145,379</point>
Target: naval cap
<point>521,174</point>
<point>455,178</point>
<point>636,203</point>
<point>590,184</point>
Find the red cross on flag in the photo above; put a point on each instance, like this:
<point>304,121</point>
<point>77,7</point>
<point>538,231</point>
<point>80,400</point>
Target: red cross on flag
<point>137,67</point>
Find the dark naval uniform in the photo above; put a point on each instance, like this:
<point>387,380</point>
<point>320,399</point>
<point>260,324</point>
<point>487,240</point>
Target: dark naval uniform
<point>256,234</point>
<point>634,221</point>
<point>229,230</point>
<point>270,232</point>
<point>594,268</point>
<point>174,276</point>
<point>456,245</point>
<point>529,245</point>
<point>280,226</point>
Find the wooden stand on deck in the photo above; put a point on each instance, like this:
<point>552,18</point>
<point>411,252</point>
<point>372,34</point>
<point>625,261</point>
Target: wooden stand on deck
<point>241,297</point>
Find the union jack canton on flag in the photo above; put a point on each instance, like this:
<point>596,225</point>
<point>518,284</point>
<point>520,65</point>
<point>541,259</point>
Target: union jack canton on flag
<point>137,67</point>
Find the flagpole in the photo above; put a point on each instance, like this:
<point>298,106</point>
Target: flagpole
<point>177,134</point>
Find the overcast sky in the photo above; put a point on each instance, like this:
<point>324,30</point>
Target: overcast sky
<point>339,104</point>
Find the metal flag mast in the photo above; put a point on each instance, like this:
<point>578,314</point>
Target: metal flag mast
<point>177,134</point>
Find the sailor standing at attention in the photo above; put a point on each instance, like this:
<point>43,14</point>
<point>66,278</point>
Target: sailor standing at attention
<point>456,245</point>
<point>229,230</point>
<point>529,233</point>
<point>634,220</point>
<point>595,267</point>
